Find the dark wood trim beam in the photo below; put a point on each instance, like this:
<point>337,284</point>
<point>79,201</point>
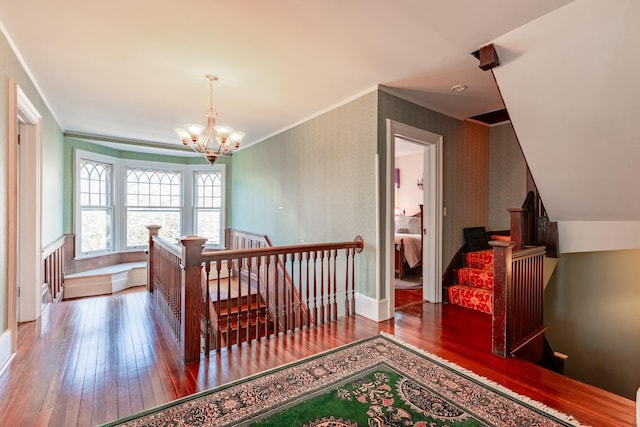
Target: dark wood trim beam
<point>487,56</point>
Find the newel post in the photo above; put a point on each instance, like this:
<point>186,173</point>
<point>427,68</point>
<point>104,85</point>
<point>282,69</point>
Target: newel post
<point>191,289</point>
<point>501,330</point>
<point>153,231</point>
<point>519,230</point>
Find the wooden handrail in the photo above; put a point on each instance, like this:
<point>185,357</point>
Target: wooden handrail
<point>53,247</point>
<point>222,298</point>
<point>53,258</point>
<point>280,250</point>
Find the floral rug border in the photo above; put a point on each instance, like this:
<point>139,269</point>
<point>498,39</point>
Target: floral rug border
<point>252,398</point>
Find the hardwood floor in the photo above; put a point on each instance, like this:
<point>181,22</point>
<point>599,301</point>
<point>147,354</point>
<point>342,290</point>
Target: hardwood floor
<point>407,297</point>
<point>93,360</point>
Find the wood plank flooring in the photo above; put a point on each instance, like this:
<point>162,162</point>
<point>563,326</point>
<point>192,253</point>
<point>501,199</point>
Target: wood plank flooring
<point>93,360</point>
<point>407,297</point>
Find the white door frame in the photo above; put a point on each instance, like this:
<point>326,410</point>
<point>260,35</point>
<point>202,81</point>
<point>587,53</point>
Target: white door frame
<point>29,211</point>
<point>22,116</point>
<point>432,210</point>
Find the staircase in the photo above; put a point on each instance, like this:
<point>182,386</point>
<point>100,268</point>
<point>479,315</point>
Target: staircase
<point>474,287</point>
<point>241,315</point>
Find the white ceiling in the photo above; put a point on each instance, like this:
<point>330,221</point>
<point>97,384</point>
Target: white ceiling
<point>135,69</point>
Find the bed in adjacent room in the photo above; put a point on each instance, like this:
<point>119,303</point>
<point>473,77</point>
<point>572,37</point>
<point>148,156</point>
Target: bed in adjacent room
<point>408,243</point>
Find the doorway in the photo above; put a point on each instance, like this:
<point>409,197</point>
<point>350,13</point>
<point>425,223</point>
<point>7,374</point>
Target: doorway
<point>409,218</point>
<point>29,224</point>
<point>431,263</point>
<point>24,217</point>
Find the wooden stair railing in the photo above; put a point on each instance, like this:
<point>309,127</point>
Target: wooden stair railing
<point>237,239</point>
<point>259,303</point>
<point>53,258</point>
<point>518,297</point>
<point>278,289</point>
<point>530,226</point>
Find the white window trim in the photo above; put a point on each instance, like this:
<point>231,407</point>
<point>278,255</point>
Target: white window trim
<point>121,228</point>
<point>79,155</point>
<point>119,207</point>
<point>190,202</point>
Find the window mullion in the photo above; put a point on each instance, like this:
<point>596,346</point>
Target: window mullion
<point>119,203</point>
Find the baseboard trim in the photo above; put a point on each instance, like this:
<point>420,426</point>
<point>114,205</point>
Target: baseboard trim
<point>372,308</point>
<point>5,350</point>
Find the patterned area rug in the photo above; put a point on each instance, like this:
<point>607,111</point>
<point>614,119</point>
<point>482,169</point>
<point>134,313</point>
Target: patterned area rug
<point>376,382</point>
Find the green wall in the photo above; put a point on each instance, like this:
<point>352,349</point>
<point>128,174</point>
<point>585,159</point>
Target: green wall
<point>592,308</point>
<point>11,69</point>
<point>313,183</point>
<point>507,176</point>
<point>465,165</point>
<point>316,182</point>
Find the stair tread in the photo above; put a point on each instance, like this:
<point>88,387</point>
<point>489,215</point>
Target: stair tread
<point>224,311</point>
<point>234,324</point>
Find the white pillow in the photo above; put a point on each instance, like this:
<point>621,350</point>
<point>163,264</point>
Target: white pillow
<point>414,225</point>
<point>403,223</point>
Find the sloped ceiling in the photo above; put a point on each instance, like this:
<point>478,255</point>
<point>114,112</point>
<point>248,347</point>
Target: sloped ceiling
<point>569,81</point>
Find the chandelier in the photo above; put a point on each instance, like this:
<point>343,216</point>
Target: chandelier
<point>214,141</point>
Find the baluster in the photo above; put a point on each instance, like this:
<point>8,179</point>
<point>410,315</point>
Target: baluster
<point>353,281</point>
<point>177,289</point>
<point>524,320</point>
<point>285,295</point>
<point>299,318</point>
<point>268,295</point>
<point>335,284</point>
<point>347,312</point>
<point>229,314</point>
<point>60,270</point>
<point>249,301</point>
<point>329,286</point>
<point>322,287</point>
<point>218,333</point>
<point>46,276</point>
<point>239,304</point>
<point>206,312</point>
<point>259,315</point>
<point>55,272</point>
<point>315,287</point>
<point>50,273</point>
<point>291,293</point>
<point>277,327</point>
<point>307,297</point>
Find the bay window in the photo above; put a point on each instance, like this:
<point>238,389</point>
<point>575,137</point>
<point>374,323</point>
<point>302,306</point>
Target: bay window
<point>115,199</point>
